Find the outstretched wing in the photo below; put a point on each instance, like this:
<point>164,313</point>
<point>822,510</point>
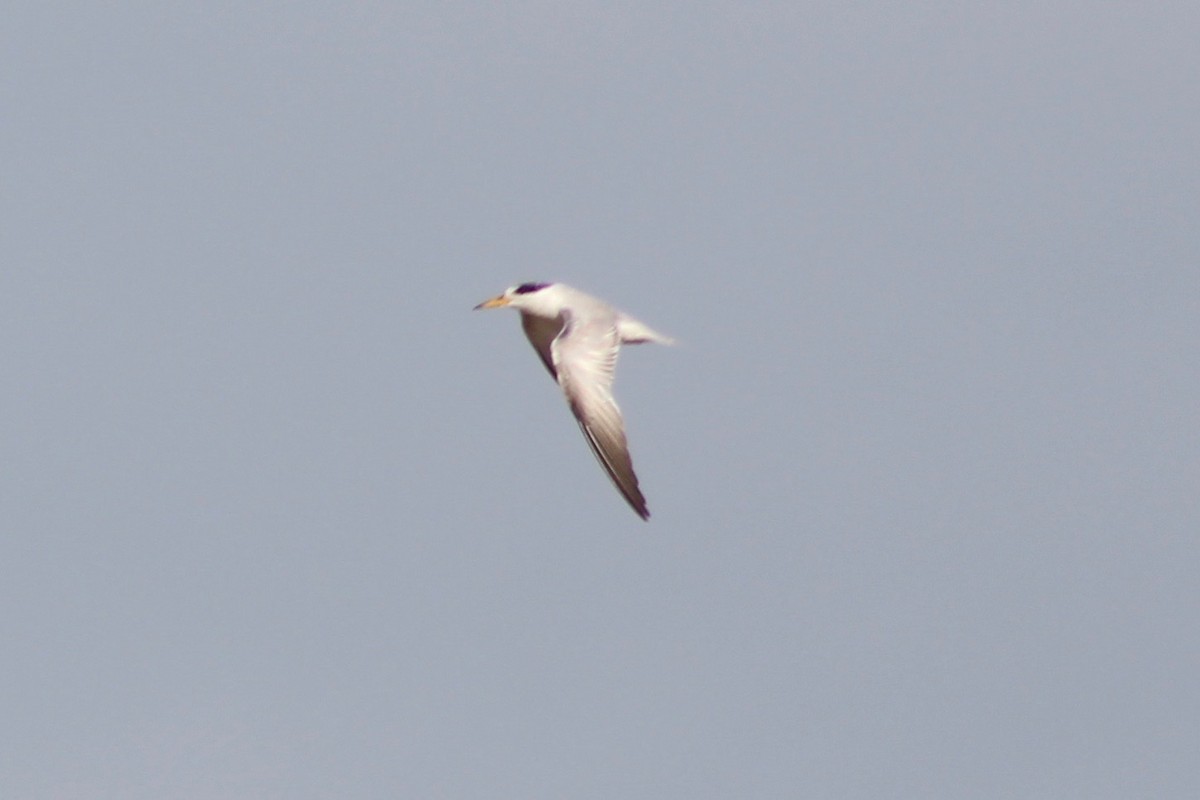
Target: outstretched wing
<point>583,358</point>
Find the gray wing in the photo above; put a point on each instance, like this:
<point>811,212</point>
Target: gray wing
<point>583,358</point>
<point>540,333</point>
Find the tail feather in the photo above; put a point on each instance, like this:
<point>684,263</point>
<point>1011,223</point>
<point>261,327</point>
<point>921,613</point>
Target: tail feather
<point>633,332</point>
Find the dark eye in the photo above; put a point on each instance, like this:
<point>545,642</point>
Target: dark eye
<point>526,288</point>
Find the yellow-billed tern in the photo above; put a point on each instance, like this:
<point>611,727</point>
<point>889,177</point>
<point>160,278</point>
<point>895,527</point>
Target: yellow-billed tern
<point>577,337</point>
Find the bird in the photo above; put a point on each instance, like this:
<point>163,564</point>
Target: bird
<point>577,337</point>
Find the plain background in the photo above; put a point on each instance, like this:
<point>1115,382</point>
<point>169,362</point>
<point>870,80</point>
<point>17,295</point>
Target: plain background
<point>282,518</point>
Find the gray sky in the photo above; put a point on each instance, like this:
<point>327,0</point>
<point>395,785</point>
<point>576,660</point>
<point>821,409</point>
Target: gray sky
<point>282,518</point>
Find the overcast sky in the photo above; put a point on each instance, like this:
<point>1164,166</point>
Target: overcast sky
<point>282,518</point>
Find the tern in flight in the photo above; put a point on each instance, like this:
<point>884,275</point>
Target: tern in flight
<point>577,337</point>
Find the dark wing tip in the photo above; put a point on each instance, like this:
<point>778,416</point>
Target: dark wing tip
<point>635,501</point>
<point>626,485</point>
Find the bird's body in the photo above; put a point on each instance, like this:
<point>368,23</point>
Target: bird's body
<point>577,337</point>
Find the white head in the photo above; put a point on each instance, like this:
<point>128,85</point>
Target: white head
<point>539,299</point>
